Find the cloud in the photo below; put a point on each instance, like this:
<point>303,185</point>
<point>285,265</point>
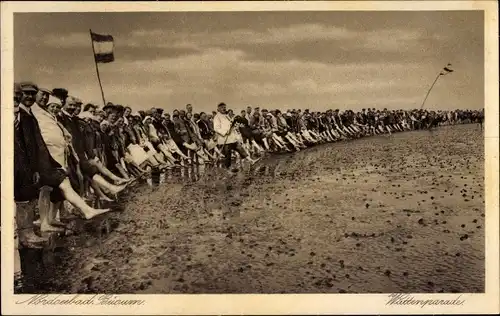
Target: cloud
<point>266,89</point>
<point>382,40</point>
<point>396,40</point>
<point>227,73</point>
<point>70,40</point>
<point>289,61</point>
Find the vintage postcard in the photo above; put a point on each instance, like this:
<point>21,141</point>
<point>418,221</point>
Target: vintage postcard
<point>260,158</point>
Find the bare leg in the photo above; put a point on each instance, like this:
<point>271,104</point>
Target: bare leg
<point>190,146</point>
<point>201,156</point>
<point>44,207</point>
<point>54,208</point>
<point>113,189</point>
<point>277,141</point>
<point>25,215</point>
<point>98,192</point>
<point>209,154</point>
<point>341,131</point>
<point>78,202</point>
<point>256,146</point>
<point>218,152</point>
<point>266,144</point>
<point>167,153</point>
<point>292,141</point>
<point>160,159</point>
<point>176,149</point>
<point>180,153</point>
<point>122,171</point>
<point>105,171</point>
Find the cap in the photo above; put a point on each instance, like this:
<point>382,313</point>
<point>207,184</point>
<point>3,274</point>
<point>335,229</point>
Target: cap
<point>45,90</point>
<point>28,86</point>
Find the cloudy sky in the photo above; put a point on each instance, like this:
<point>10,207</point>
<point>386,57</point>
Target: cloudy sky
<point>317,60</point>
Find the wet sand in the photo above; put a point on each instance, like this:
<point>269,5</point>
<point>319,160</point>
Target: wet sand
<point>382,214</point>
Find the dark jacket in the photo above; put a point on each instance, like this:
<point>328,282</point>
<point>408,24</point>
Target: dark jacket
<point>25,187</point>
<point>205,130</point>
<point>31,156</point>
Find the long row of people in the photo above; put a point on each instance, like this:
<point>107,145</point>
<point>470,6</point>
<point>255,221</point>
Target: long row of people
<point>66,150</point>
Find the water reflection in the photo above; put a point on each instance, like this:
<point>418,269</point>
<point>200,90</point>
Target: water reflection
<point>198,173</point>
<point>188,174</point>
<point>271,166</point>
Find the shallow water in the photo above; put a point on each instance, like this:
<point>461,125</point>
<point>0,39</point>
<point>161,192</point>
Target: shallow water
<point>383,214</point>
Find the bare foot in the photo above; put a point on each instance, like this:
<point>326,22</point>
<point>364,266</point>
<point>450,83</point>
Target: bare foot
<point>119,188</point>
<point>57,223</point>
<point>107,199</point>
<point>47,228</point>
<point>122,181</point>
<point>91,213</point>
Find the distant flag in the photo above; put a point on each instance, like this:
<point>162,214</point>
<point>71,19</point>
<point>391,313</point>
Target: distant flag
<point>103,48</point>
<point>446,70</point>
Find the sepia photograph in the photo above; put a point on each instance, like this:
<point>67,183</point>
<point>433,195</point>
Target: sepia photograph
<point>248,152</point>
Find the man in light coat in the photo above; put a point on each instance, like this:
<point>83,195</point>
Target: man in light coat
<point>227,136</point>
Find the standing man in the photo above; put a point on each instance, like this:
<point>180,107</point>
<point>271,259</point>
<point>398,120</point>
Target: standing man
<point>227,136</point>
<point>248,114</point>
<point>26,174</point>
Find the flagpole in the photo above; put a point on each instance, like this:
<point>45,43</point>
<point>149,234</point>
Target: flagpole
<point>428,92</point>
<point>97,70</point>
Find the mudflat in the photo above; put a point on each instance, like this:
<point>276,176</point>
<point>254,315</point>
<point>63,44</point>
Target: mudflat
<point>400,213</point>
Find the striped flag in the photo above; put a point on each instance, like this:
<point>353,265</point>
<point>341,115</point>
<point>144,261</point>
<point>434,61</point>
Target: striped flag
<point>103,48</point>
<point>446,70</point>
